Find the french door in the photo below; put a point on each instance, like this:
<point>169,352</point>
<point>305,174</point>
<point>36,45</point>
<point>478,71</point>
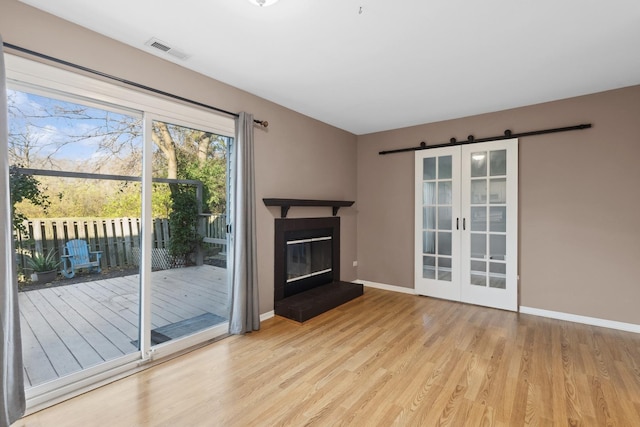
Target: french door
<point>466,222</point>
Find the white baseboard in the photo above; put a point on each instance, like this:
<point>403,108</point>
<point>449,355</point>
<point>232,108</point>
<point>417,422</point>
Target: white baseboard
<point>267,315</point>
<point>593,321</point>
<point>385,287</point>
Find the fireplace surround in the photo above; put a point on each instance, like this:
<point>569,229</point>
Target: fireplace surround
<point>307,268</point>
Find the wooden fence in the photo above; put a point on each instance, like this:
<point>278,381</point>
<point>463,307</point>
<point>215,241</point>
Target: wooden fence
<point>117,238</point>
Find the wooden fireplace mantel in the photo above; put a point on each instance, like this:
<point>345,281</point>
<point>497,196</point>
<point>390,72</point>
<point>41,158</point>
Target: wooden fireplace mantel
<point>285,204</point>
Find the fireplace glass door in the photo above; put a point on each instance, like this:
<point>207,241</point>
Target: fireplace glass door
<point>309,263</point>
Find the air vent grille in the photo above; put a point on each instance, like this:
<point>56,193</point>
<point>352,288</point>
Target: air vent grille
<point>164,47</point>
<point>160,46</point>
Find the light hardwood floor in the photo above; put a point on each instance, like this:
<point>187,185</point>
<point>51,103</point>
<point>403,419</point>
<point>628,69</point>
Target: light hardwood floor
<point>383,359</point>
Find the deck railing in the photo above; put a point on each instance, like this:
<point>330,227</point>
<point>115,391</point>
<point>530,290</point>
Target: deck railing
<point>117,238</point>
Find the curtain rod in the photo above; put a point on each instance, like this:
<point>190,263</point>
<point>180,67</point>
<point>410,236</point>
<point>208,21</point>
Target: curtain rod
<point>262,123</point>
<point>471,140</point>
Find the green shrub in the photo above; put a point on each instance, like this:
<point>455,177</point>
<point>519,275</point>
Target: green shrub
<point>183,225</point>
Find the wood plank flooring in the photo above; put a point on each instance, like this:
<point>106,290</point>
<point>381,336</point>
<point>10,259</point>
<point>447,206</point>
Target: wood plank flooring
<point>383,359</point>
<point>69,328</point>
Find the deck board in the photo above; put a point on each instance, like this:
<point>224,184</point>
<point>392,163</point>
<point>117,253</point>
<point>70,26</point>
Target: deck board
<point>84,353</point>
<point>68,328</point>
<point>108,336</point>
<point>37,366</point>
<point>58,355</point>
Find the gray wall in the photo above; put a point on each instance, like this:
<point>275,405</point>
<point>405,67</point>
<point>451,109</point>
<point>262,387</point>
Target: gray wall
<point>579,202</point>
<point>579,233</point>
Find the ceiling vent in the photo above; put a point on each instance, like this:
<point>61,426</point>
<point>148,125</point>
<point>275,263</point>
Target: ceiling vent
<point>164,47</point>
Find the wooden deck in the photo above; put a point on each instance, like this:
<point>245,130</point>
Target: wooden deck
<point>69,328</point>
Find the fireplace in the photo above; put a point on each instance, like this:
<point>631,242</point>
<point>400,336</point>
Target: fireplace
<point>307,268</point>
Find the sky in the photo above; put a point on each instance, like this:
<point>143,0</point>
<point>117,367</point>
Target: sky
<point>66,131</point>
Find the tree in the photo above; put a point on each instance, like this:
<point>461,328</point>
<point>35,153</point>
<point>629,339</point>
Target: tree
<point>25,187</point>
<point>49,133</point>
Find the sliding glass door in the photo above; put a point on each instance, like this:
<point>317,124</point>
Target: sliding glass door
<point>76,224</point>
<point>189,279</point>
<point>121,197</point>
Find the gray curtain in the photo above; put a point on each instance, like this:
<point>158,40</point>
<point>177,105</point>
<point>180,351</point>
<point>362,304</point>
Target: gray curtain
<point>245,316</point>
<point>13,401</point>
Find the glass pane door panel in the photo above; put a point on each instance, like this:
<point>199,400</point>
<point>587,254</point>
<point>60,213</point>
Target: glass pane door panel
<point>429,267</point>
<point>498,190</point>
<point>429,193</point>
<point>444,269</point>
<point>498,219</point>
<point>498,246</point>
<point>498,163</point>
<point>479,279</point>
<point>497,275</point>
<point>429,217</point>
<point>429,242</point>
<point>444,218</point>
<point>478,245</point>
<point>189,283</point>
<point>478,191</point>
<point>444,243</point>
<point>77,264</point>
<point>444,193</point>
<point>479,218</point>
<point>478,267</point>
<point>479,164</point>
<point>444,167</point>
<point>498,268</point>
<point>429,168</point>
<point>499,282</point>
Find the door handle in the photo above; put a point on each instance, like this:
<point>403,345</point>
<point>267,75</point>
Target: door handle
<point>464,223</point>
<point>457,223</point>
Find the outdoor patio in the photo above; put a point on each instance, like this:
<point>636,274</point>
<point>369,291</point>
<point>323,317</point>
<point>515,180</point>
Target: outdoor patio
<point>69,328</point>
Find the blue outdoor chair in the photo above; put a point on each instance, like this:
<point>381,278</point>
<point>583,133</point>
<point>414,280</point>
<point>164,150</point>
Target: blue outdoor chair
<point>77,255</point>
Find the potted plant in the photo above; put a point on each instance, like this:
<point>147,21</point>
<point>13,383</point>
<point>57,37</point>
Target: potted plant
<point>45,266</point>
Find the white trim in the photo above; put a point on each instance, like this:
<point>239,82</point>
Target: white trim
<point>586,320</point>
<point>386,287</point>
<point>267,315</point>
<point>593,321</point>
<point>37,400</point>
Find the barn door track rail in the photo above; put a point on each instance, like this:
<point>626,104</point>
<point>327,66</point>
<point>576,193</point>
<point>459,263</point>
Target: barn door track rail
<point>472,140</point>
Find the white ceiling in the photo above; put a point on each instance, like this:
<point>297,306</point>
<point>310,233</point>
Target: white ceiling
<point>372,65</point>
